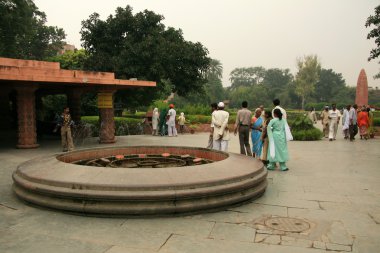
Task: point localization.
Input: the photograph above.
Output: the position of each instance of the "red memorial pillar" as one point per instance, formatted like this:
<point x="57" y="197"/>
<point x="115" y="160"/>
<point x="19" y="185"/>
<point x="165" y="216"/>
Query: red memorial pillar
<point x="362" y="90"/>
<point x="74" y="103"/>
<point x="106" y="117"/>
<point x="26" y="112"/>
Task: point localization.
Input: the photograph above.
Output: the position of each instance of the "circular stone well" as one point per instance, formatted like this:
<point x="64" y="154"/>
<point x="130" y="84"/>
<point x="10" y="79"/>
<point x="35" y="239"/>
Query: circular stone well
<point x="57" y="181"/>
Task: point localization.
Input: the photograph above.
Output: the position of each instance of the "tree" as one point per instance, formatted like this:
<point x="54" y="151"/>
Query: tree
<point x="307" y="76"/>
<point x="328" y="86"/>
<point x="374" y="34"/>
<point x="74" y="60"/>
<point x="213" y="87"/>
<point x="246" y="76"/>
<point x="277" y="80"/>
<point x="140" y="46"/>
<point x="215" y="69"/>
<point x="23" y="33"/>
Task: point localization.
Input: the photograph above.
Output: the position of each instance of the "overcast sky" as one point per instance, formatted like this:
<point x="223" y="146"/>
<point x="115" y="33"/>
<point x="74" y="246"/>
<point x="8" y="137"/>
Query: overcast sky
<point x="248" y="33"/>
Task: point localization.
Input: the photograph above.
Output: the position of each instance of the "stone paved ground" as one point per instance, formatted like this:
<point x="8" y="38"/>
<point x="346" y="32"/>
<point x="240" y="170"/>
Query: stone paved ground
<point x="334" y="186"/>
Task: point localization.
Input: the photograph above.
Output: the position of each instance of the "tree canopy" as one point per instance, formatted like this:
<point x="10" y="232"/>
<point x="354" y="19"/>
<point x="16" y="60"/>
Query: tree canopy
<point x="140" y="46"/>
<point x="71" y="59"/>
<point x="329" y="86"/>
<point x="374" y="34"/>
<point x="246" y="76"/>
<point x="24" y="33"/>
<point x="307" y="76"/>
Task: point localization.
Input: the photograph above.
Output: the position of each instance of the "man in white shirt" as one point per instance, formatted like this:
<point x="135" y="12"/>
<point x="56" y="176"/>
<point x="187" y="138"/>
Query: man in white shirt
<point x="221" y="134"/>
<point x="353" y="127"/>
<point x="276" y="103"/>
<point x="172" y="131"/>
<point x="334" y="117"/>
<point x="214" y="107"/>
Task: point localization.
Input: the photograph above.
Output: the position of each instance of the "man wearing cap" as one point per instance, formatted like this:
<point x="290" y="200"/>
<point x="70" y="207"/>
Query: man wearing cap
<point x="243" y="124"/>
<point x="325" y="121"/>
<point x="221" y="134"/>
<point x="172" y="131"/>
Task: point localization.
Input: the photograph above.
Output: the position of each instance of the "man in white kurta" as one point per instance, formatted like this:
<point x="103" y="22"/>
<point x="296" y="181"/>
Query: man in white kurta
<point x="221" y="134"/>
<point x="334" y="117"/>
<point x="276" y="103"/>
<point x="172" y="131"/>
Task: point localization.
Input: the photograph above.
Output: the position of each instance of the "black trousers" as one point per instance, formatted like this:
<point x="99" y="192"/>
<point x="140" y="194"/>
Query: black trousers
<point x="245" y="148"/>
<point x="353" y="129"/>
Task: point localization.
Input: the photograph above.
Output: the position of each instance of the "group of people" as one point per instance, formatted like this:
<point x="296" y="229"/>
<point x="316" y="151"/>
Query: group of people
<point x="354" y="120"/>
<point x="165" y="122"/>
<point x="269" y="133"/>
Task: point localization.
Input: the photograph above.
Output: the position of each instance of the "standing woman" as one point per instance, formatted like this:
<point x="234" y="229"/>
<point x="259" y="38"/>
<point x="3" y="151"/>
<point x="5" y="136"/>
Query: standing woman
<point x="264" y="136"/>
<point x="363" y="123"/>
<point x="155" y="119"/>
<point x="256" y="125"/>
<point x="371" y="130"/>
<point x="278" y="148"/>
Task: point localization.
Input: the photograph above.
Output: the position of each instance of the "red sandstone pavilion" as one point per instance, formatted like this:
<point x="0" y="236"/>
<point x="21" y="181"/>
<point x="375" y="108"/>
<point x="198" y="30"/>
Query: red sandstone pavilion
<point x="26" y="77"/>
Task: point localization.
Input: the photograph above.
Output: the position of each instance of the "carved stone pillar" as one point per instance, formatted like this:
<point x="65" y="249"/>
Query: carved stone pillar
<point x="26" y="112"/>
<point x="106" y="117"/>
<point x="74" y="103"/>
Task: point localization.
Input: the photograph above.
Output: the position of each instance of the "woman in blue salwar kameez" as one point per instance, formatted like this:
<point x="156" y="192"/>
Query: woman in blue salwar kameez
<point x="256" y="125"/>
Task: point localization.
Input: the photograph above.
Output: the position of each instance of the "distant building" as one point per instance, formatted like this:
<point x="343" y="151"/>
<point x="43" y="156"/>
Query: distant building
<point x="66" y="47"/>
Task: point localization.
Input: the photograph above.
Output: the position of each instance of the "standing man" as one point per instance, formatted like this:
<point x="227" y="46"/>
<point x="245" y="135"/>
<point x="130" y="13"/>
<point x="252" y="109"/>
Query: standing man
<point x="334" y="117"/>
<point x="276" y="103"/>
<point x="172" y="131"/>
<point x="65" y="122"/>
<point x="242" y="124"/>
<point x="162" y="127"/>
<point x="214" y="107"/>
<point x="325" y="121"/>
<point x="312" y="116"/>
<point x="221" y="134"/>
<point x="346" y="121"/>
<point x="353" y="117"/>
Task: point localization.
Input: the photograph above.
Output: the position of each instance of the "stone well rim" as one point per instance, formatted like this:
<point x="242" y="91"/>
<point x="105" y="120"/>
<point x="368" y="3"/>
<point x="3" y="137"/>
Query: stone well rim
<point x="57" y="173"/>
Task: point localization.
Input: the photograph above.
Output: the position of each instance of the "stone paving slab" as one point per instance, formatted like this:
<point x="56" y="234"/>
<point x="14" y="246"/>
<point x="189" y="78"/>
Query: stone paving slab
<point x="232" y="232"/>
<point x="27" y="242"/>
<point x="327" y="185"/>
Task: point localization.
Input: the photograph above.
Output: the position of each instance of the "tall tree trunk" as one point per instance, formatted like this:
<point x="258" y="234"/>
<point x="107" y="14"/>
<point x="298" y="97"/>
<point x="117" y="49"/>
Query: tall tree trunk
<point x="303" y="103"/>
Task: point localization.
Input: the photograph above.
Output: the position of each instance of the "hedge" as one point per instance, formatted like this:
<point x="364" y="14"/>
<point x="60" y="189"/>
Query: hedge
<point x="376" y="121"/>
<point x="303" y="129"/>
<point x="307" y="135"/>
<point x="123" y="126"/>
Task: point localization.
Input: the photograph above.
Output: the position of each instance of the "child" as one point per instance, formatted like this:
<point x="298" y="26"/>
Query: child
<point x="181" y="122"/>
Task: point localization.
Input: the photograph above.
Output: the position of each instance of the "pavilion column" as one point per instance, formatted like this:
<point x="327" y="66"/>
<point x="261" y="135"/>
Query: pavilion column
<point x="5" y="112"/>
<point x="74" y="103"/>
<point x="26" y="112"/>
<point x="106" y="117"/>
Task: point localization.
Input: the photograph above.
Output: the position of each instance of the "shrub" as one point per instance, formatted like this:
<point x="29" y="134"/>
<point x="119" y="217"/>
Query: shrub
<point x="302" y="122"/>
<point x="376" y="121"/>
<point x="307" y="135"/>
<point x="123" y="126"/>
<point x="303" y="129"/>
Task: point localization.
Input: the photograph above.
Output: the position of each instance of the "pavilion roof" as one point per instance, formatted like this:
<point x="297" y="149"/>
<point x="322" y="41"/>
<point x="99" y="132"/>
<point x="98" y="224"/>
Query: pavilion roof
<point x="25" y="71"/>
